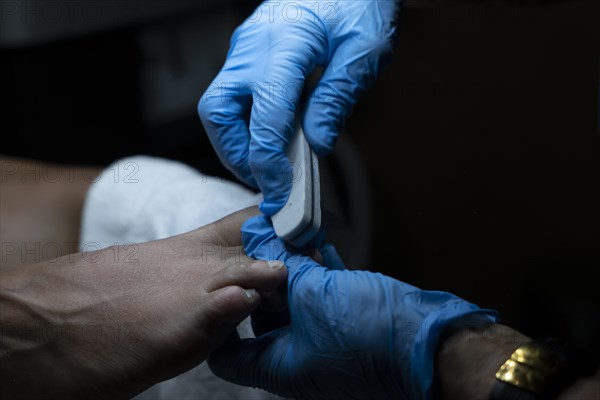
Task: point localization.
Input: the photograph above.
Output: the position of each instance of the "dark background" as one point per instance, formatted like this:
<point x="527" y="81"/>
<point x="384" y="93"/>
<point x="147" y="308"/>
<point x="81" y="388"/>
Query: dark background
<point x="481" y="141"/>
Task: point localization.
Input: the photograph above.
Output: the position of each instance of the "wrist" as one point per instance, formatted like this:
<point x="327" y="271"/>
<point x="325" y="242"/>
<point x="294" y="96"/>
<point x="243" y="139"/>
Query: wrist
<point x="542" y="369"/>
<point x="468" y="358"/>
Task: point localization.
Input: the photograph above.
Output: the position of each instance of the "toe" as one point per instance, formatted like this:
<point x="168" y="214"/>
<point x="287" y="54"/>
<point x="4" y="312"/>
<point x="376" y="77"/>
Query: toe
<point x="260" y="275"/>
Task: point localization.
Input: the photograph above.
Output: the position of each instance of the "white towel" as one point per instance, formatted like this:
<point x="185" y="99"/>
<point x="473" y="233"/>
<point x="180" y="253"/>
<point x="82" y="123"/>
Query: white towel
<point x="141" y="198"/>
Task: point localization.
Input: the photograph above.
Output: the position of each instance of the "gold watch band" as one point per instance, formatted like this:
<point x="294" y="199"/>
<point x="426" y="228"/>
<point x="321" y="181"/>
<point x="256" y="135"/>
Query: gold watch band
<point x="539" y="369"/>
<point x="530" y="367"/>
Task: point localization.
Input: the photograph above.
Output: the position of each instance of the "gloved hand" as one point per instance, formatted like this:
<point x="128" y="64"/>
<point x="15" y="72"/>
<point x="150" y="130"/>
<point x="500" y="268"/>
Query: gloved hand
<point x="353" y="334"/>
<point x="249" y="110"/>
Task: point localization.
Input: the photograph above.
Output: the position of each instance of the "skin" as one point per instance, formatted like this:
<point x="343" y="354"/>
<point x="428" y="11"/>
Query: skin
<point x="468" y="359"/>
<point x="40" y="205"/>
<point x="114" y="323"/>
<point x="95" y="325"/>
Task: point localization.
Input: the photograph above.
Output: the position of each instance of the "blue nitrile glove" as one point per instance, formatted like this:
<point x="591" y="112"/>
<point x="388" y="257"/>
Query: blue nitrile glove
<point x="353" y="334"/>
<point x="249" y="109"/>
<point x="264" y="321"/>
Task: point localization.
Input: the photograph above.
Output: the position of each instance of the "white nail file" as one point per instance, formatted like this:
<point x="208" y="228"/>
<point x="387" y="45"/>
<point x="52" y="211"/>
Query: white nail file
<point x="300" y="218"/>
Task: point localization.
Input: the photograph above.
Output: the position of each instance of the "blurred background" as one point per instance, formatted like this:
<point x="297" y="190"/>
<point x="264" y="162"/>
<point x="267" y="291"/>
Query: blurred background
<point x="472" y="166"/>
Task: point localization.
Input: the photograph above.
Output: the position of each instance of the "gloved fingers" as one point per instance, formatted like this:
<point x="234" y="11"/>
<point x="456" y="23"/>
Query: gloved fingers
<point x="224" y="110"/>
<point x="246" y="362"/>
<point x="331" y="258"/>
<point x="260" y="241"/>
<point x="294" y="52"/>
<point x="304" y="274"/>
<point x="319" y="239"/>
<point x="272" y="170"/>
<point x="351" y="71"/>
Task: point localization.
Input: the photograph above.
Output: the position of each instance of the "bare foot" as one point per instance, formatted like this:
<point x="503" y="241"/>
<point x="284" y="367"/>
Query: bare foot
<point x="114" y="322"/>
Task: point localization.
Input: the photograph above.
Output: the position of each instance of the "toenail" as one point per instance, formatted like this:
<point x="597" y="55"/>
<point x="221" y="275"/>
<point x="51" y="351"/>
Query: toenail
<point x="275" y="264"/>
<point x="250" y="293"/>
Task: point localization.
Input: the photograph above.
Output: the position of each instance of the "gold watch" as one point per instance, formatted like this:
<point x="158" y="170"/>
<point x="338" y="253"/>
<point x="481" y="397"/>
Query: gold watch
<point x="540" y="369"/>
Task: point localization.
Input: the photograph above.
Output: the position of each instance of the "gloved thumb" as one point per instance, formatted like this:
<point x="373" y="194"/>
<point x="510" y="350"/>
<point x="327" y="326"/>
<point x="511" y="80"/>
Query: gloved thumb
<point x="250" y="362"/>
<point x="350" y="73"/>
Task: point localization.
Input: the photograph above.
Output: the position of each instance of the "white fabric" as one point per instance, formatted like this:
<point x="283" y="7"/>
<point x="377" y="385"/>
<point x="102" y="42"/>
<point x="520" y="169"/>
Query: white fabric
<point x="141" y="198"/>
<point x="144" y="198"/>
